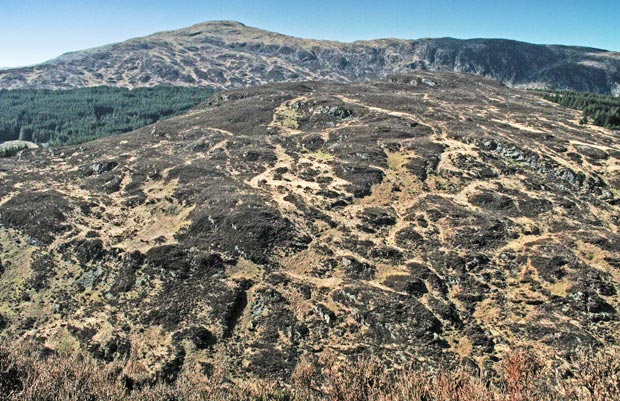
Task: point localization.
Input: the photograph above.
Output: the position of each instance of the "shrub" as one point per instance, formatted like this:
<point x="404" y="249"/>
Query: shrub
<point x="11" y="151"/>
<point x="27" y="373"/>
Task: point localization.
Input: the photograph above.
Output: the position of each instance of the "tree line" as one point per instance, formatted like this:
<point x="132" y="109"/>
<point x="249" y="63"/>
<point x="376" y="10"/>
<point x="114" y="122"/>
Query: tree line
<point x="600" y="110"/>
<point x="59" y="117"/>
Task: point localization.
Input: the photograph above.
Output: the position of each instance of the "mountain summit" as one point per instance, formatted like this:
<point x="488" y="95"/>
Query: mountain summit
<point x="228" y="54"/>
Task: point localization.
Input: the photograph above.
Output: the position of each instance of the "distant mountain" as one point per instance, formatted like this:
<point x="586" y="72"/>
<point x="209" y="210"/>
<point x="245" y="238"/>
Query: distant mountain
<point x="228" y="54"/>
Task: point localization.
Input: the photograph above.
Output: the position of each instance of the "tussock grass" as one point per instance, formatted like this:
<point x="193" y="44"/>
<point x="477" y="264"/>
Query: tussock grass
<point x="27" y="373"/>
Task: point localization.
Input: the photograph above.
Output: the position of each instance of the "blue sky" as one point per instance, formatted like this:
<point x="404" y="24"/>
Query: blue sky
<point x="33" y="31"/>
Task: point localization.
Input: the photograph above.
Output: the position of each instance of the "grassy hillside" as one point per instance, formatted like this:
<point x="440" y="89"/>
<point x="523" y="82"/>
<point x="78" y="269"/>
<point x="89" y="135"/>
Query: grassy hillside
<point x="431" y="219"/>
<point x="79" y="115"/>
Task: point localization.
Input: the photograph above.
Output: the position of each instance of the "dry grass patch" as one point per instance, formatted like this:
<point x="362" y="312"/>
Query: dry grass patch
<point x="27" y="373"/>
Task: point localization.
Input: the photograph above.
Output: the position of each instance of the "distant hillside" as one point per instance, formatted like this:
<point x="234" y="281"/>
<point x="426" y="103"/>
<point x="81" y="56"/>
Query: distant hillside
<point x="229" y="54"/>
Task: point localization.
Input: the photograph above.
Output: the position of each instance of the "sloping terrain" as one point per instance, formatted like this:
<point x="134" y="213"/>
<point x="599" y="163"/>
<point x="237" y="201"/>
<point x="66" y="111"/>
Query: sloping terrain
<point x="430" y="217"/>
<point x="228" y="54"/>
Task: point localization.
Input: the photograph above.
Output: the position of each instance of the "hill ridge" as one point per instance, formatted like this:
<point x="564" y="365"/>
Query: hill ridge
<point x="229" y="54"/>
